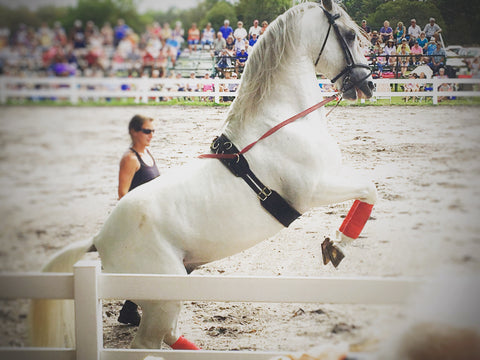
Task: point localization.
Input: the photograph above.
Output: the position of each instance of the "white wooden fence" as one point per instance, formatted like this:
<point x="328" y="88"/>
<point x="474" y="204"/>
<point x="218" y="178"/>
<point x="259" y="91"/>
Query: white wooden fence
<point x="145" y="90"/>
<point x="88" y="286"/>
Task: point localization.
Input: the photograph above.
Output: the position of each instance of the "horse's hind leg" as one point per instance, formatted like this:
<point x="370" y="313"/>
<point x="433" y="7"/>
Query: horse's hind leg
<point x="159" y="323"/>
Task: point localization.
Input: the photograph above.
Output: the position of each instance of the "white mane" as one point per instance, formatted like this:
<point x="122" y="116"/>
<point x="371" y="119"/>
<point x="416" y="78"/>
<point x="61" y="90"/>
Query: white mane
<point x="270" y="55"/>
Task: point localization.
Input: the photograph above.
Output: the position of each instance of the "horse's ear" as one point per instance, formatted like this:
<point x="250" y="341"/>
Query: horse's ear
<point x="327" y="4"/>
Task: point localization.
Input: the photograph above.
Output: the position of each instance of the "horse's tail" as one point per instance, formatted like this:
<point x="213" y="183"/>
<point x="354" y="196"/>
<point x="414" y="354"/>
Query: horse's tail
<point x="52" y="322"/>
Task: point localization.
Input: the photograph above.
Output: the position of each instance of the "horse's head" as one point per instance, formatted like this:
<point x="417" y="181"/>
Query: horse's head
<point x="334" y="43"/>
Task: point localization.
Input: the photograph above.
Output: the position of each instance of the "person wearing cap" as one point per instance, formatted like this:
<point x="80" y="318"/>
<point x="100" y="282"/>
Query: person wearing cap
<point x="366" y="28"/>
<point x="255" y="29"/>
<point x="388" y="50"/>
<point x="413" y="31"/>
<point x="432" y="29"/>
<point x="402" y="42"/>
<point x="240" y="33"/>
<point x="251" y="43"/>
<point x="431" y="46"/>
<point x="242" y="58"/>
<point x="374" y="38"/>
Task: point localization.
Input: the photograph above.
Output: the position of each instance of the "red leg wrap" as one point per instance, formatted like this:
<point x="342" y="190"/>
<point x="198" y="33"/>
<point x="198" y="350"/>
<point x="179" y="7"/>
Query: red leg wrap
<point x="356" y="218"/>
<point x="184" y="344"/>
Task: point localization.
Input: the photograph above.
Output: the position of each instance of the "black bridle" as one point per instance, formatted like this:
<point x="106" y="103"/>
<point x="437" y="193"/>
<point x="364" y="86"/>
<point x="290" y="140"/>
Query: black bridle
<point x="347" y="71"/>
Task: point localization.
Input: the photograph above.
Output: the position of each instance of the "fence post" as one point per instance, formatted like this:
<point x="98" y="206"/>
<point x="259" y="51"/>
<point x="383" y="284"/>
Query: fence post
<point x="88" y="310"/>
<point x="3" y="88"/>
<point x="73" y="90"/>
<point x="216" y="87"/>
<point x="145" y="88"/>
<point x="435" y="91"/>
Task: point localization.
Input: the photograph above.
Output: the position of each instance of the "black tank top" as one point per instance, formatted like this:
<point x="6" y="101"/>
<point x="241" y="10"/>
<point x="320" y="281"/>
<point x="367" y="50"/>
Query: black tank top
<point x="145" y="173"/>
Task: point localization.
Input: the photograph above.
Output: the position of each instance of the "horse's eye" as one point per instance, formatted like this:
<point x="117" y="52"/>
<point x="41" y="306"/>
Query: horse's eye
<point x="351" y="36"/>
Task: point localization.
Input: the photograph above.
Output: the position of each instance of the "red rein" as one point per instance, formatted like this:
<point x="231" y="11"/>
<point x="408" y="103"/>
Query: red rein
<point x="271" y="131"/>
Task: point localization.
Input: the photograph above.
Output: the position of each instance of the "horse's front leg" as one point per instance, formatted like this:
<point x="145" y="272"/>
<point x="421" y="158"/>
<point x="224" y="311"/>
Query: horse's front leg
<point x="338" y="189"/>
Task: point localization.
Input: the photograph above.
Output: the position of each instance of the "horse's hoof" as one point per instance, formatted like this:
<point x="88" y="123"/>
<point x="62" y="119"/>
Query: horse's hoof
<point x="326" y="258"/>
<point x="332" y="253"/>
<point x="129" y="314"/>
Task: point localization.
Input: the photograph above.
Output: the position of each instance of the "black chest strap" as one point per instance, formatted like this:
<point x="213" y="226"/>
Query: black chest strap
<point x="270" y="200"/>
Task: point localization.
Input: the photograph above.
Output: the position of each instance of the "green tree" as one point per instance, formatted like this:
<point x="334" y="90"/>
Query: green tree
<point x="462" y="19"/>
<point x="100" y="11"/>
<point x="12" y="18"/>
<point x="218" y="13"/>
<point x="249" y="10"/>
<point x="50" y="14"/>
<point x="404" y="10"/>
<point x="360" y="9"/>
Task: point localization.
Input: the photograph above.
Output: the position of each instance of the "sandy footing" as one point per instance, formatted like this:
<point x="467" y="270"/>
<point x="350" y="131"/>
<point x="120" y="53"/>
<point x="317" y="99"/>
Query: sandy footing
<point x="58" y="177"/>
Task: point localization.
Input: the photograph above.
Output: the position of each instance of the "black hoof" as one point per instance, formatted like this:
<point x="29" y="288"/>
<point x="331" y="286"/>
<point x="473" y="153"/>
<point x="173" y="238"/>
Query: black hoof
<point x="331" y="253"/>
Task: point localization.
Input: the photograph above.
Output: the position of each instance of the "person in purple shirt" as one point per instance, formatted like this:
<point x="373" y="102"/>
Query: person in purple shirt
<point x="386" y="32"/>
<point x="226" y="29"/>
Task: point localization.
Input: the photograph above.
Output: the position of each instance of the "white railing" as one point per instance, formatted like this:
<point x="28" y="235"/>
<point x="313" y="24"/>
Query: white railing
<point x="145" y="90"/>
<point x="87" y="286"/>
<point x="434" y="84"/>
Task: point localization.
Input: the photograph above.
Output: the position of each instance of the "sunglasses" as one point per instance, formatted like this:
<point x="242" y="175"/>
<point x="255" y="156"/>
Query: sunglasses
<point x="147" y="131"/>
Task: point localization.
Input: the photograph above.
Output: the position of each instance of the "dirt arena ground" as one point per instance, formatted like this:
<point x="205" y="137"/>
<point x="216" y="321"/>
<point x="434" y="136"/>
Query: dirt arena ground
<point x="58" y="177"/>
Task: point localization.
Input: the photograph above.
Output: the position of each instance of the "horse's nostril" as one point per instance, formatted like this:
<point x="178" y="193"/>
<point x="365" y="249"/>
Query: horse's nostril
<point x="370" y="85"/>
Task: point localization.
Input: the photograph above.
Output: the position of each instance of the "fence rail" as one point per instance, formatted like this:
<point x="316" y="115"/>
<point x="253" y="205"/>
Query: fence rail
<point x="147" y="90"/>
<point x="87" y="286"/>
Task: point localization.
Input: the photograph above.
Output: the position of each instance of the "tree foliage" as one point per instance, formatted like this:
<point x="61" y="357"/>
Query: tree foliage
<point x="462" y="19"/>
<point x="404" y="10"/>
<point x="458" y="19"/>
<point x="249" y="10"/>
<point x="359" y="10"/>
<point x="218" y="13"/>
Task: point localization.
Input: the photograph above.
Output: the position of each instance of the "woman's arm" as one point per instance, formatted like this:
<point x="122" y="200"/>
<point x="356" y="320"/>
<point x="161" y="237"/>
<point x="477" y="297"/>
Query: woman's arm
<point x="128" y="167"/>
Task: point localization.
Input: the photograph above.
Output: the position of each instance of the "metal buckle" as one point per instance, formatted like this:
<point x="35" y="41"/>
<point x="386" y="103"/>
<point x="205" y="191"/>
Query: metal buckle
<point x="215" y="144"/>
<point x="264" y="194"/>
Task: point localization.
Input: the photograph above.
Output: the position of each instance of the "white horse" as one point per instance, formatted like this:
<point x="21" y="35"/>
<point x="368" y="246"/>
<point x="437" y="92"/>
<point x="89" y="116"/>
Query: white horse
<point x="200" y="212"/>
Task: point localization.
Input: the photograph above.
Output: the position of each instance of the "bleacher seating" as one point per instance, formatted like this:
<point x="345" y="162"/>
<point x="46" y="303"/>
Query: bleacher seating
<point x="200" y="62"/>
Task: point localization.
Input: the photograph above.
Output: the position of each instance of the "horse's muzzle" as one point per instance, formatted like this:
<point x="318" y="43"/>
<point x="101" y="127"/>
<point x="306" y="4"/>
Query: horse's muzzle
<point x="358" y="81"/>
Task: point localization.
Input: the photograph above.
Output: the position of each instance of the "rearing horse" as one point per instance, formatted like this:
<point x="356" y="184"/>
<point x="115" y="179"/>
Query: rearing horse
<point x="200" y="212"/>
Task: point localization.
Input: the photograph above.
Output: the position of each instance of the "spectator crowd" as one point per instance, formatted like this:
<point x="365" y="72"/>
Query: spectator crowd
<point x="89" y="50"/>
<point x="93" y="51"/>
<point x="395" y="49"/>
